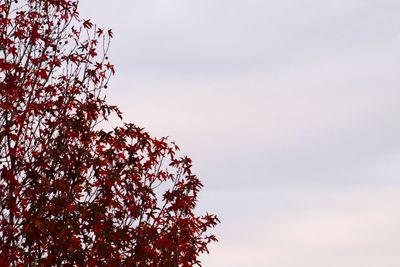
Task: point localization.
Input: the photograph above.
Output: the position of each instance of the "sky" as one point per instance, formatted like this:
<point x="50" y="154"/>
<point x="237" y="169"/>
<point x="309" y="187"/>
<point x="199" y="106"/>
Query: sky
<point x="289" y="110"/>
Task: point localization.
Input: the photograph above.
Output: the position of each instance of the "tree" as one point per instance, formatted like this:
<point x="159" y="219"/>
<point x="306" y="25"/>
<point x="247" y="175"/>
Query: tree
<point x="72" y="192"/>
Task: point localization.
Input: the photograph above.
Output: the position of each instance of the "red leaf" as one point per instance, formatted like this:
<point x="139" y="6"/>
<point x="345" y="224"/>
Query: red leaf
<point x="87" y="24"/>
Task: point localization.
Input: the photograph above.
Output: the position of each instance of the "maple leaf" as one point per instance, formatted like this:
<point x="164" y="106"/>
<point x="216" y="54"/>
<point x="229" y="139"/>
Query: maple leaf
<point x="87" y="24"/>
<point x="110" y="67"/>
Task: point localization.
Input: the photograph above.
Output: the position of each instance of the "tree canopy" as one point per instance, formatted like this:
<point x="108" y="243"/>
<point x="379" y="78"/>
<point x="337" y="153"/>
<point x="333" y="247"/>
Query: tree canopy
<point x="72" y="192"/>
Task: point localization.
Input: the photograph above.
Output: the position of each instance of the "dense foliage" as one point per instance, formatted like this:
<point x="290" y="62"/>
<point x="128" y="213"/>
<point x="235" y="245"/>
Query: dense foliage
<point x="72" y="192"/>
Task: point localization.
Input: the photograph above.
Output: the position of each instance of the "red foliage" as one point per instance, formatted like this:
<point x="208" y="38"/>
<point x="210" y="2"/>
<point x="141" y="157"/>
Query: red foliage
<point x="70" y="192"/>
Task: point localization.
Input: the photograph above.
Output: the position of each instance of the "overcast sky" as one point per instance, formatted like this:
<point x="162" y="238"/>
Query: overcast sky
<point x="290" y="111"/>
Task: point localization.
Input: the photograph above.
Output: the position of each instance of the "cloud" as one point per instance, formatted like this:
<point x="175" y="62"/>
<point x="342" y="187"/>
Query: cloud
<point x="320" y="122"/>
<point x="289" y="110"/>
<point x="314" y="227"/>
<point x="209" y="38"/>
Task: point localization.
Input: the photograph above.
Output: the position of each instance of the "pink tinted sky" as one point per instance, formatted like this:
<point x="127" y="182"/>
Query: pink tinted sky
<point x="290" y="111"/>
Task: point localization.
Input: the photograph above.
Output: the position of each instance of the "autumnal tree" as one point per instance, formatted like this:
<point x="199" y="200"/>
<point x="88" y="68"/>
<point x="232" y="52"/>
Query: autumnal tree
<point x="71" y="192"/>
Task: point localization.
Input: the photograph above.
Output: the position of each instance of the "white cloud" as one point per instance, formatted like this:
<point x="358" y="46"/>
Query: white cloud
<point x="315" y="227"/>
<point x="321" y="121"/>
<point x="290" y="111"/>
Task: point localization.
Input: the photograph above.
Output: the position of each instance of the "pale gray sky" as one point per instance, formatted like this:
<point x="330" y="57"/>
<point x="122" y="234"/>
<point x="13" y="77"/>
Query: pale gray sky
<point x="290" y="111"/>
